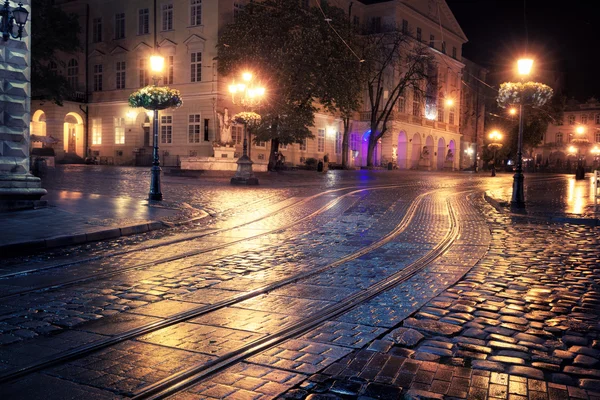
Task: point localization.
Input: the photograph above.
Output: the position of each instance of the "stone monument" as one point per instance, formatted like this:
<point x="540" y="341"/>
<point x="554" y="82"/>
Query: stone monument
<point x="18" y="188"/>
<point x="223" y="148"/>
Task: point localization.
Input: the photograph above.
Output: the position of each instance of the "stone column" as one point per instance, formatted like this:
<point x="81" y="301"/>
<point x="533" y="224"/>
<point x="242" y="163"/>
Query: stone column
<point x="18" y="188"/>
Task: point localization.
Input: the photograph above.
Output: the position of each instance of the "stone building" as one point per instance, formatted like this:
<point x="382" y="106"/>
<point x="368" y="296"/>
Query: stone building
<point x="97" y="121"/>
<point x="576" y="135"/>
<point x="473" y="114"/>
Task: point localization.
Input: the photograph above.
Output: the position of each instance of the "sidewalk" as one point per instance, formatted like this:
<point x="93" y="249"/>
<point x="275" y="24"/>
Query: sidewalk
<point x="74" y="217"/>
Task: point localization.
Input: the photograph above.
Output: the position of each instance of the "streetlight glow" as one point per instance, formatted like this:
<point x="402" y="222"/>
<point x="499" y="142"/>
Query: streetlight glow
<point x="449" y="102"/>
<point x="512" y="111"/>
<point x="157" y="63"/>
<point x="580" y="130"/>
<point x="572" y="149"/>
<point x="524" y="66"/>
<point x="495" y="135"/>
<point x="247" y="76"/>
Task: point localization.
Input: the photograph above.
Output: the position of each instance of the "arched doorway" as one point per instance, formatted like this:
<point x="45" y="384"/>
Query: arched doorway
<point x="451" y="155"/>
<point x="402" y="150"/>
<point x="415" y="151"/>
<point x="73" y="134"/>
<point x="441" y="153"/>
<point x="38" y="127"/>
<point x="365" y="149"/>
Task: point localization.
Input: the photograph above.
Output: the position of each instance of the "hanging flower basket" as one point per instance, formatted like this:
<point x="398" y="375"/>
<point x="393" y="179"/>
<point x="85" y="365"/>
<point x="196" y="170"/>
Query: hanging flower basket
<point x="247" y="117"/>
<point x="529" y="93"/>
<point x="155" y="98"/>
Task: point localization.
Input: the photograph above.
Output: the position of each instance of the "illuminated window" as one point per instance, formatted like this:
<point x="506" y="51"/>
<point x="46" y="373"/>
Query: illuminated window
<point x="119" y="130"/>
<point x="416" y="110"/>
<point x="338" y="142"/>
<point x="584" y="119"/>
<point x="354" y="142"/>
<point x="96" y="131"/>
<point x="440" y="110"/>
<point x="195" y="12"/>
<point x="166" y="129"/>
<point x="571" y="120"/>
<point x="194" y="128"/>
<point x="168" y="78"/>
<point x="321" y="140"/>
<point x="597" y="137"/>
<point x="401" y="104"/>
<point x="451" y="113"/>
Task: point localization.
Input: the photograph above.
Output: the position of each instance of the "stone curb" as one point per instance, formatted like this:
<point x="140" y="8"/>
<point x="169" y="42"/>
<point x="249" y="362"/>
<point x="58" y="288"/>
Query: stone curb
<point x="20" y="248"/>
<point x="567" y="220"/>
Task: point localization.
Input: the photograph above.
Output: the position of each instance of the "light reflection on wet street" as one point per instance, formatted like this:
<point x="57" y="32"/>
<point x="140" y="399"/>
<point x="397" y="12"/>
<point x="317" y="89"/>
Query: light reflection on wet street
<point x="268" y="260"/>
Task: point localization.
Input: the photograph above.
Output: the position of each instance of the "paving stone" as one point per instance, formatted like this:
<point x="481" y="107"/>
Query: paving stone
<point x="435" y="327"/>
<point x="488" y="365"/>
<point x="405" y="336"/>
<point x="585" y="361"/>
<point x="525" y="371"/>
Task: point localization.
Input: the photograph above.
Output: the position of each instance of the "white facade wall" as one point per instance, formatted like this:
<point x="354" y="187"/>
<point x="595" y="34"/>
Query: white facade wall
<point x="209" y="95"/>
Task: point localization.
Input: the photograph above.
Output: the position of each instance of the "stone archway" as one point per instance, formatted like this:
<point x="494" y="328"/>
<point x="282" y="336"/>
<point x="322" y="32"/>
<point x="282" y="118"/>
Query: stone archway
<point x="402" y="150"/>
<point x="38" y="127"/>
<point x="415" y="151"/>
<point x="73" y="142"/>
<point x="441" y="153"/>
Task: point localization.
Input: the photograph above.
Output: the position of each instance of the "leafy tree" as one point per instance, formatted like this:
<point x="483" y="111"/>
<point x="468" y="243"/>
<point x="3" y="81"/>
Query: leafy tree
<point x="342" y="80"/>
<point x="393" y="63"/>
<point x="53" y="32"/>
<point x="301" y="62"/>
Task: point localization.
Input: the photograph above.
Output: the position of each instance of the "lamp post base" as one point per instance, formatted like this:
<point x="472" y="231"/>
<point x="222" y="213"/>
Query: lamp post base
<point x="518" y="194"/>
<point x="580" y="172"/>
<point x="155" y="192"/>
<point x="244" y="174"/>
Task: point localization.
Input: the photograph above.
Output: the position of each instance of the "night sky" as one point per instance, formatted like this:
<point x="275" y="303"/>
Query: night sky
<point x="563" y="37"/>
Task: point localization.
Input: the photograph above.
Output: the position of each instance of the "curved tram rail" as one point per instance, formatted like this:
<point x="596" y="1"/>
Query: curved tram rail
<point x="205" y="309"/>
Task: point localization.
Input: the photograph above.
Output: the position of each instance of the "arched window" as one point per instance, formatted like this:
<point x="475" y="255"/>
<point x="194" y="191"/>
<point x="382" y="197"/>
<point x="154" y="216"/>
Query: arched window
<point x="53" y="67"/>
<point x="72" y="73"/>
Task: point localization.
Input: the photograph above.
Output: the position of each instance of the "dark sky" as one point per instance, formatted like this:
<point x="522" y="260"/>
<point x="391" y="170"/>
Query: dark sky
<point x="563" y="37"/>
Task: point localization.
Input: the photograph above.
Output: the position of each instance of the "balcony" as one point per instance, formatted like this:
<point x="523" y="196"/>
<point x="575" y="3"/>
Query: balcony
<point x="78" y="97"/>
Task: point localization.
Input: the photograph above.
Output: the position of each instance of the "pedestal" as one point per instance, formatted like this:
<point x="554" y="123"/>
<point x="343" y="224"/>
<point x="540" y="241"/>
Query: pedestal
<point x="18" y="188"/>
<point x="244" y="174"/>
<point x="223" y="152"/>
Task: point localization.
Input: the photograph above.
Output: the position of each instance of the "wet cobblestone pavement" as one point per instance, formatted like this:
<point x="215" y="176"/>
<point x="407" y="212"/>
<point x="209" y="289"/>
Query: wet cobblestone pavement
<point x="483" y="304"/>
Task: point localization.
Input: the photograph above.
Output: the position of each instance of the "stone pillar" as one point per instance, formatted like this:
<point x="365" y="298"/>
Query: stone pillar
<point x="18" y="188"/>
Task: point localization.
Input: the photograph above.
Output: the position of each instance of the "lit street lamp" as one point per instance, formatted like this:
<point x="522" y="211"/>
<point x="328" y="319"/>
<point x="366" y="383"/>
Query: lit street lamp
<point x="495" y="137"/>
<point x="155" y="194"/>
<point x="8" y="19"/>
<point x="518" y="195"/>
<point x="249" y="95"/>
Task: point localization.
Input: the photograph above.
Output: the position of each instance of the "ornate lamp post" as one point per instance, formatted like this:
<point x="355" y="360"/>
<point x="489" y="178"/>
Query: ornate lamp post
<point x="596" y="152"/>
<point x="580" y="141"/>
<point x="522" y="93"/>
<point x="495" y="137"/>
<point x="155" y="98"/>
<point x="8" y="19"/>
<point x="155" y="194"/>
<point x="249" y="95"/>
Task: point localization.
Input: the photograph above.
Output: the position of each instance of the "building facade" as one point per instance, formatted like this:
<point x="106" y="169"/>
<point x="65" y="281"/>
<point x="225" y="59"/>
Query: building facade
<point x="576" y="136"/>
<point x="473" y="115"/>
<point x="97" y="121"/>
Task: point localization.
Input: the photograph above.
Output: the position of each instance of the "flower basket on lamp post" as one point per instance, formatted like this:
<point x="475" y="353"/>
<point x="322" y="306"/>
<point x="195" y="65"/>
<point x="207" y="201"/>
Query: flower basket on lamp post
<point x="155" y="98"/>
<point x="522" y="93"/>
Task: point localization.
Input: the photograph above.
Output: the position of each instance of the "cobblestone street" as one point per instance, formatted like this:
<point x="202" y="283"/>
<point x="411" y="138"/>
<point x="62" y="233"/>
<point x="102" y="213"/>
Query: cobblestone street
<point x="353" y="284"/>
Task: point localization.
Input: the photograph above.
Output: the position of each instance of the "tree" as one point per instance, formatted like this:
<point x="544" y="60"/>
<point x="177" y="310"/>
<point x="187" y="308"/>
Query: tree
<point x="342" y="80"/>
<point x="299" y="57"/>
<point x="53" y="32"/>
<point x="393" y="63"/>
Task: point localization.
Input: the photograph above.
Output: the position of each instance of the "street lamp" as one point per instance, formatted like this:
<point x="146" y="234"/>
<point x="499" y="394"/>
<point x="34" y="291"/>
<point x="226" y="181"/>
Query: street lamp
<point x="596" y="152"/>
<point x="248" y="94"/>
<point x="156" y="65"/>
<point x="8" y="19"/>
<point x="518" y="196"/>
<point x="495" y="137"/>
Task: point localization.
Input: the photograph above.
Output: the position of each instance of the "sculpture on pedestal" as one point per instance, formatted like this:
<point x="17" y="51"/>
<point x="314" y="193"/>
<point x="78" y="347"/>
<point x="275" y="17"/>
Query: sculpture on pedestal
<point x="224" y="127"/>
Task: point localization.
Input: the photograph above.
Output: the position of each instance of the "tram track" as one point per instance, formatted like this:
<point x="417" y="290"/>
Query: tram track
<point x="181" y="380"/>
<point x="152" y="263"/>
<point x="205" y="309"/>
